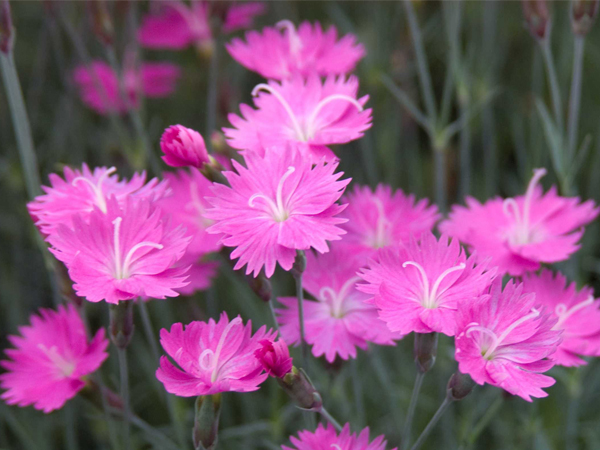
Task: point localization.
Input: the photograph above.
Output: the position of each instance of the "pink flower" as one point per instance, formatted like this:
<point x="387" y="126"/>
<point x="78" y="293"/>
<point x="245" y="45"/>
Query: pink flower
<point x="340" y="320"/>
<point x="383" y="218"/>
<point x="328" y="439"/>
<point x="200" y="273"/>
<point x="123" y="253"/>
<point x="274" y="357"/>
<point x="419" y="286"/>
<point x="50" y="360"/>
<point x="83" y="190"/>
<point x="577" y="311"/>
<point x="305" y="52"/>
<point x="99" y="86"/>
<point x="308" y="115"/>
<point x="183" y="147"/>
<point x="502" y="340"/>
<point x="214" y="357"/>
<point x="176" y="26"/>
<point x="522" y="232"/>
<point x="279" y="204"/>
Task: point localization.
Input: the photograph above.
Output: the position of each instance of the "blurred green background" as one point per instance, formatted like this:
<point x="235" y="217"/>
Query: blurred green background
<point x="490" y="75"/>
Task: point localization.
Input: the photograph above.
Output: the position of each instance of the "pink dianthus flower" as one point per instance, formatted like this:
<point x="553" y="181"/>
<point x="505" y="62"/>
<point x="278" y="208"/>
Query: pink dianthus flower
<point x="214" y="357"/>
<point x="279" y="204"/>
<point x="274" y="357"/>
<point x="418" y="287"/>
<point x="520" y="233"/>
<point x="183" y="147"/>
<point x="307" y="51"/>
<point x="577" y="311"/>
<point x="123" y="253"/>
<point x="502" y="340"/>
<point x="308" y="115"/>
<point x="340" y="320"/>
<point x="327" y="438"/>
<point x="50" y="360"/>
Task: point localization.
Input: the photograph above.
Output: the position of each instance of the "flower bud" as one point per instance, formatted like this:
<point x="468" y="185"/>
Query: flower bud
<point x="206" y="422"/>
<point x="583" y="16"/>
<point x="301" y="390"/>
<point x="425" y="350"/>
<point x="459" y="386"/>
<point x="274" y="357"/>
<point x="213" y="171"/>
<point x="101" y="21"/>
<point x="537" y="17"/>
<point x="183" y="147"/>
<point x="120" y="326"/>
<point x="261" y="286"/>
<point x="299" y="264"/>
<point x="7" y="32"/>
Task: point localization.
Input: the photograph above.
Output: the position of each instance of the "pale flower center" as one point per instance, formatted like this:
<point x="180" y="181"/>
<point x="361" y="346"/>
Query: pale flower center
<point x="305" y="132"/>
<point x="122" y="267"/>
<point x="564" y="313"/>
<point x="494" y="341"/>
<point x="65" y="367"/>
<point x="278" y="209"/>
<point x="522" y="233"/>
<point x="380" y="238"/>
<point x="99" y="199"/>
<point x="294" y="38"/>
<point x="431" y="296"/>
<point x="336" y="299"/>
<point x="209" y="360"/>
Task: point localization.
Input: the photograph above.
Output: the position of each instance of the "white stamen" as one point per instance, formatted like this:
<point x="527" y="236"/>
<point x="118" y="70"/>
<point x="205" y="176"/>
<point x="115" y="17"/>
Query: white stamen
<point x="214" y="360"/>
<point x="337" y="299"/>
<point x="563" y="313"/>
<point x="429" y="299"/>
<point x="97" y="188"/>
<point x="122" y="268"/>
<point x="66" y="367"/>
<point x="313" y="116"/>
<point x="278" y="208"/>
<point x="295" y="124"/>
<point x="295" y="41"/>
<point x="380" y="239"/>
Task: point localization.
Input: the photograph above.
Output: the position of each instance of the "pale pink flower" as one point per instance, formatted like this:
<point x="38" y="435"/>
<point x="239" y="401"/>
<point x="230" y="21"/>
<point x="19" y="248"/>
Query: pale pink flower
<point x="305" y="114"/>
<point x="83" y="190"/>
<point x="577" y="311"/>
<point x="183" y="147"/>
<point x="99" y="86"/>
<point x="339" y="320"/>
<point x="327" y="438"/>
<point x="503" y="340"/>
<point x="384" y="218"/>
<point x="214" y="357"/>
<point x="418" y="287"/>
<point x="274" y="357"/>
<point x="307" y="51"/>
<point x="279" y="204"/>
<point x="176" y="25"/>
<point x="123" y="253"/>
<point x="51" y="360"/>
<point x="520" y="233"/>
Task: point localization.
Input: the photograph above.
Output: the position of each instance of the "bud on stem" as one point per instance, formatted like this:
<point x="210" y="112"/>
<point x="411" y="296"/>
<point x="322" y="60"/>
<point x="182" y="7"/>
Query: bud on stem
<point x="300" y="389"/>
<point x="261" y="286"/>
<point x="459" y="386"/>
<point x="212" y="171"/>
<point x="121" y="325"/>
<point x="537" y="17"/>
<point x="425" y="351"/>
<point x="206" y="422"/>
<point x="299" y="264"/>
<point x="7" y="31"/>
<point x="583" y="16"/>
<point x="101" y="21"/>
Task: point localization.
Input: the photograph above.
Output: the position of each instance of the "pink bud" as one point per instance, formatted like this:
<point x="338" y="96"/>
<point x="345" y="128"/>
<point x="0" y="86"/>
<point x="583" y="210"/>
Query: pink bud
<point x="183" y="147"/>
<point x="275" y="357"/>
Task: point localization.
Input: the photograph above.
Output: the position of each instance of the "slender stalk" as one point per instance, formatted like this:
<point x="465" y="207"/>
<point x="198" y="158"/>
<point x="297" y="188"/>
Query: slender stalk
<point x="70" y="428"/>
<point x="441" y="196"/>
<point x="485" y="420"/>
<point x="488" y="135"/>
<point x="414" y="399"/>
<point x="465" y="154"/>
<point x="575" y="96"/>
<point x="329" y="418"/>
<point x="300" y="297"/>
<point x="110" y="424"/>
<point x="212" y="94"/>
<point x="432" y="423"/>
<point x="553" y="79"/>
<point x="358" y="395"/>
<point x="124" y="385"/>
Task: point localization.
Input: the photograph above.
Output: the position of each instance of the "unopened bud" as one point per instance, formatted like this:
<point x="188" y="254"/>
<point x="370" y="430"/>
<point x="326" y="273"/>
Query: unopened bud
<point x="297" y="385"/>
<point x="583" y="16"/>
<point x="100" y="395"/>
<point x="183" y="147"/>
<point x="120" y="326"/>
<point x="206" y="422"/>
<point x="459" y="386"/>
<point x="425" y="350"/>
<point x="261" y="286"/>
<point x="218" y="142"/>
<point x="299" y="264"/>
<point x="537" y="17"/>
<point x="213" y="171"/>
<point x="274" y="357"/>
<point x="101" y="21"/>
<point x="7" y="31"/>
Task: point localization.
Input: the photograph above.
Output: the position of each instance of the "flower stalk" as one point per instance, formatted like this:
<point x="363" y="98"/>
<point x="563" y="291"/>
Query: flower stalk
<point x="206" y="422"/>
<point x="297" y="271"/>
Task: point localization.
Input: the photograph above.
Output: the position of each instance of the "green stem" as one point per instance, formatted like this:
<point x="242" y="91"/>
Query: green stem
<point x="432" y="423"/>
<point x="300" y="297"/>
<point x="329" y="418"/>
<point x="485" y="420"/>
<point x="575" y="96"/>
<point x="553" y="79"/>
<point x="212" y="94"/>
<point x="70" y="428"/>
<point x="410" y="414"/>
<point x="124" y="385"/>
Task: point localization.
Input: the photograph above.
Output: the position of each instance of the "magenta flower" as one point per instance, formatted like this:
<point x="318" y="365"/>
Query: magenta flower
<point x="328" y="439"/>
<point x="123" y="253"/>
<point x="385" y="218"/>
<point x="183" y="147"/>
<point x="577" y="312"/>
<point x="340" y="320"/>
<point x="520" y="233"/>
<point x="83" y="190"/>
<point x="418" y="287"/>
<point x="306" y="51"/>
<point x="176" y="26"/>
<point x="279" y="204"/>
<point x="502" y="340"/>
<point x="308" y="115"/>
<point x="99" y="86"/>
<point x="200" y="273"/>
<point x="274" y="357"/>
<point x="214" y="357"/>
<point x="50" y="360"/>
